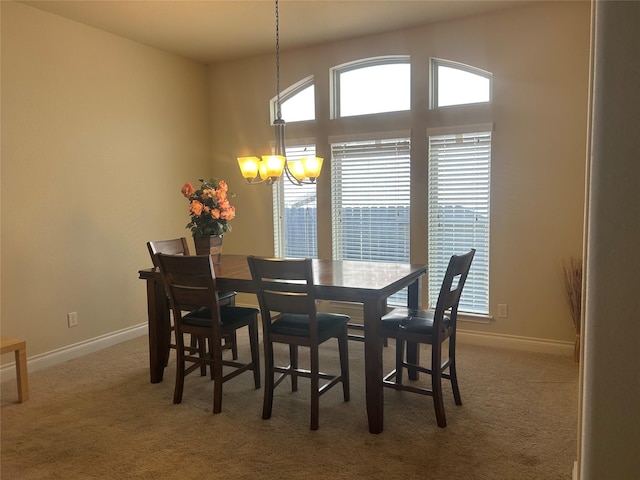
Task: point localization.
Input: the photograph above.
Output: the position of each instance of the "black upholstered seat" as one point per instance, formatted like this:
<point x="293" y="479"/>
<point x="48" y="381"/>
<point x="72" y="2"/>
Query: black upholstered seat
<point x="413" y="320"/>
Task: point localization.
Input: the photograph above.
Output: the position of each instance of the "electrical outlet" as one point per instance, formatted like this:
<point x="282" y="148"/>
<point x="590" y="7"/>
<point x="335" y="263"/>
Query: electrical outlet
<point x="72" y="318"/>
<point x="502" y="310"/>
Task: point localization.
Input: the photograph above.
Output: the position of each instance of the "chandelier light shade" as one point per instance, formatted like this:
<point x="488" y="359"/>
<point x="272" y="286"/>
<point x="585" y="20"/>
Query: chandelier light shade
<point x="269" y="168"/>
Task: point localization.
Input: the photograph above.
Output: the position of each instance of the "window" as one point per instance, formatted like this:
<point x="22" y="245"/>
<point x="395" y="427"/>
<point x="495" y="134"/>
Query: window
<point x="297" y="103"/>
<point x="457" y="84"/>
<point x="371" y="171"/>
<point x="370" y="200"/>
<point x="372" y="86"/>
<point x="295" y="207"/>
<point x="295" y="210"/>
<point x="458" y="210"/>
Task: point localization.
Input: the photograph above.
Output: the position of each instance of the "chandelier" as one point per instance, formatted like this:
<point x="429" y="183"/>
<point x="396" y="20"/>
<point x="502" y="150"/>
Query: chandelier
<point x="270" y="168"/>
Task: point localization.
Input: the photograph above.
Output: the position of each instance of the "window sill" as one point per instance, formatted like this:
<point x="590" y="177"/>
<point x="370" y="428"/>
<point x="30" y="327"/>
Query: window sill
<point x="474" y="318"/>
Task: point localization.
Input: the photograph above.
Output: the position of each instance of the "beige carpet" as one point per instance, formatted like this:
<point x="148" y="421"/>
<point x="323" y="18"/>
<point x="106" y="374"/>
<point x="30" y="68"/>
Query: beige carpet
<point x="98" y="417"/>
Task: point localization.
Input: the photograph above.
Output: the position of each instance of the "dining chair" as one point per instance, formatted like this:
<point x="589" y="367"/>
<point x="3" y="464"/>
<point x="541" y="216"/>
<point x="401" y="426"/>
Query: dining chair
<point x="431" y="327"/>
<point x="179" y="246"/>
<point x="289" y="316"/>
<point x="191" y="283"/>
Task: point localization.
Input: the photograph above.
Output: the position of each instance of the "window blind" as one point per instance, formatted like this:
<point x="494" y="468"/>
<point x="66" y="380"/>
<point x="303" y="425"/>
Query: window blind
<point x="296" y="214"/>
<point x="370" y="201"/>
<point x="458" y="210"/>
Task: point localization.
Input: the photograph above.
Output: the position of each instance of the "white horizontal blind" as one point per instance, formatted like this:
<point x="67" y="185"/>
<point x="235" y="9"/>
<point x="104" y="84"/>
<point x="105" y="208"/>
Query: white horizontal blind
<point x="459" y="183"/>
<point x="370" y="201"/>
<point x="295" y="222"/>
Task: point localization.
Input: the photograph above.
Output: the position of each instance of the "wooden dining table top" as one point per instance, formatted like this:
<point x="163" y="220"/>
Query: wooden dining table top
<point x="330" y="276"/>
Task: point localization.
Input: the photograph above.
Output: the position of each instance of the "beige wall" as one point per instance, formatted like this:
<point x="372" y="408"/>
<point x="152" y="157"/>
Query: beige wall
<point x="98" y="135"/>
<point x="539" y="56"/>
<point x="105" y="131"/>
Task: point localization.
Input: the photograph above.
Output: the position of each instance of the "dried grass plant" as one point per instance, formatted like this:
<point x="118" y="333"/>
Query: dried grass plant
<point x="572" y="275"/>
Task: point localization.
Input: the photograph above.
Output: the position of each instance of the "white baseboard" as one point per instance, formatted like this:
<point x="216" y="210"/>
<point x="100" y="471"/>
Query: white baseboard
<point x="527" y="344"/>
<point x="76" y="350"/>
<point x="61" y="355"/>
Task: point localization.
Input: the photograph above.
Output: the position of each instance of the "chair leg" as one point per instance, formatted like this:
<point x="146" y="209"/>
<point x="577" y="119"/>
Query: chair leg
<point x="177" y="391"/>
<point x="255" y="354"/>
<point x="267" y="404"/>
<point x="343" y="348"/>
<point x="454" y="382"/>
<point x="293" y="361"/>
<point x="452" y="370"/>
<point x="216" y="368"/>
<point x="315" y="387"/>
<point x="231" y="339"/>
<point x="399" y="359"/>
<point x="200" y="344"/>
<point x="234" y="347"/>
<point x="20" y="356"/>
<point x="436" y="385"/>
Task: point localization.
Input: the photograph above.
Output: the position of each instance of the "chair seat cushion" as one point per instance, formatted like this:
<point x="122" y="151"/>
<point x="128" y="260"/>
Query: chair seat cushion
<point x="298" y="324"/>
<point x="228" y="316"/>
<point x="411" y="320"/>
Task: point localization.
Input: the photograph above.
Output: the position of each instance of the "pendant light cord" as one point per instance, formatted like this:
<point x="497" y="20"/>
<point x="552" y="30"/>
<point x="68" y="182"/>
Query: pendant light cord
<point x="278" y="111"/>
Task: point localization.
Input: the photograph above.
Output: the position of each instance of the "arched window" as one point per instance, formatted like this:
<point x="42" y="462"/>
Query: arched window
<point x="458" y="84"/>
<point x="297" y="102"/>
<point x="373" y="85"/>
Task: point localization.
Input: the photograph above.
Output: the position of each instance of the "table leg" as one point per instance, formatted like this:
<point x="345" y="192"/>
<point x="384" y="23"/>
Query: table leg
<point x="413" y="348"/>
<point x="373" y="364"/>
<point x="159" y="329"/>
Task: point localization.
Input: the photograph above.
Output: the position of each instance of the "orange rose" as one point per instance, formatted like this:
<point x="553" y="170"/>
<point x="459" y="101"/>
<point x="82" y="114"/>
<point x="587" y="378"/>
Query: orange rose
<point x="187" y="190"/>
<point x="228" y="213"/>
<point x="215" y="213"/>
<point x="196" y="207"/>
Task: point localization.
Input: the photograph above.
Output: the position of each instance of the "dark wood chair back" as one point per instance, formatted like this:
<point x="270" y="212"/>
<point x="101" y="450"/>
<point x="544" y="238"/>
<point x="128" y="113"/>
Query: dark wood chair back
<point x="286" y="295"/>
<point x="450" y="292"/>
<point x="191" y="284"/>
<point x="286" y="286"/>
<point x="193" y="294"/>
<point x="175" y="246"/>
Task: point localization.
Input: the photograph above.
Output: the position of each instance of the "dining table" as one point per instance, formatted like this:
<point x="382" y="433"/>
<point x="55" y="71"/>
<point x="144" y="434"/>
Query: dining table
<point x="364" y="282"/>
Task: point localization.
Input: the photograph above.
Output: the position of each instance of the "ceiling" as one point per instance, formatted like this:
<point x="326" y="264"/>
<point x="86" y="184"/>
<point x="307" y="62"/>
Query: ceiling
<point x="214" y="30"/>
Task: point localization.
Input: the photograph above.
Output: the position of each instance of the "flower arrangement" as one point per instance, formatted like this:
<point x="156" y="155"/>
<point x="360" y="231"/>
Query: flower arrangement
<point x="209" y="208"/>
